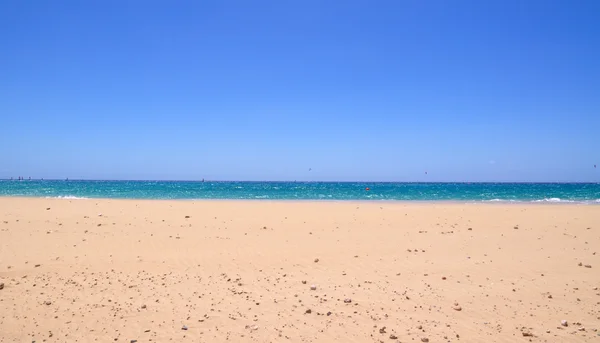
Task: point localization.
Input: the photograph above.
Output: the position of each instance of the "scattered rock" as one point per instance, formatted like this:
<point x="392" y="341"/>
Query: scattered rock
<point x="143" y="306"/>
<point x="304" y="282"/>
<point x="425" y="339"/>
<point x="47" y="302"/>
<point x="470" y="229"/>
<point x="588" y="266"/>
<point x="549" y="296"/>
<point x="37" y="265"/>
<point x="1" y="285"/>
<point x="420" y="327"/>
<point x="133" y="341"/>
<point x="309" y="311"/>
<point x="186" y="217"/>
<point x="382" y="329"/>
<point x="564" y="323"/>
<point x="184" y="327"/>
<point x="47" y="208"/>
<point x="580" y="264"/>
<point x="527" y="334"/>
<point x="347" y="300"/>
<point x="313" y="288"/>
<point x="392" y="336"/>
<point x="547" y="331"/>
<point x="443" y="278"/>
<point x="457" y="307"/>
<point x="252" y="327"/>
<point x="316" y="260"/>
<point x="329" y="313"/>
<point x="516" y="228"/>
<point x="581" y="329"/>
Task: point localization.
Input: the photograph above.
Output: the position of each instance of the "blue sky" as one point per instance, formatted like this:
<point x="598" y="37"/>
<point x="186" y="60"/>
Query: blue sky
<point x="467" y="90"/>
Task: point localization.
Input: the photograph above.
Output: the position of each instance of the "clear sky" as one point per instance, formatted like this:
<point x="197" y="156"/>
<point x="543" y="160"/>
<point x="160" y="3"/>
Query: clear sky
<point x="467" y="90"/>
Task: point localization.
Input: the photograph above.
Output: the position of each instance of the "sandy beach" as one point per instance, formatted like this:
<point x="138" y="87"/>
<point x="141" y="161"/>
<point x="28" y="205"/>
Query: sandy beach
<point x="257" y="271"/>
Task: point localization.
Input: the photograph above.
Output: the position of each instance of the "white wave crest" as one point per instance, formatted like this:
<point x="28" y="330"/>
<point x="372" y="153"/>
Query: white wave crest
<point x="553" y="200"/>
<point x="68" y="197"/>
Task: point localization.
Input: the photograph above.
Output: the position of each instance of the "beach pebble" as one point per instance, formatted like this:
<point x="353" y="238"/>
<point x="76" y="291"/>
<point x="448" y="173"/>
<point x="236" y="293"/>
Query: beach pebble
<point x="564" y="323"/>
<point x="313" y="288"/>
<point x="347" y="300"/>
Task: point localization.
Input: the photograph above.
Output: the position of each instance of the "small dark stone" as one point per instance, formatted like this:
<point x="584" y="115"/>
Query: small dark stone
<point x="184" y="327"/>
<point x="187" y="217"/>
<point x="392" y="336"/>
<point x="1" y="285"/>
<point x="309" y="311"/>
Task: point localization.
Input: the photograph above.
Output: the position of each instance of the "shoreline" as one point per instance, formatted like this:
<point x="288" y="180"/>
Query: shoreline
<point x="374" y="201"/>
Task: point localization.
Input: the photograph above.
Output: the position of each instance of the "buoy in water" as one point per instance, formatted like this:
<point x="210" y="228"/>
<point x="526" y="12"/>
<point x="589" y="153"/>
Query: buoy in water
<point x="367" y="189"/>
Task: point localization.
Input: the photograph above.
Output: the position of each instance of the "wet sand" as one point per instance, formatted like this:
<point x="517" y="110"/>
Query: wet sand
<point x="253" y="271"/>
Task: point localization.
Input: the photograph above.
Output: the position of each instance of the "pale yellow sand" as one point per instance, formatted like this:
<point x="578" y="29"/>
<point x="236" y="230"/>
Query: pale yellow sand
<point x="242" y="272"/>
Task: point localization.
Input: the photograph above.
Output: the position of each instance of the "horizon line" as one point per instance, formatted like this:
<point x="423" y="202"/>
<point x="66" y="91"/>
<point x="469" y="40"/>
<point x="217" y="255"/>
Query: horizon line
<point x="305" y="181"/>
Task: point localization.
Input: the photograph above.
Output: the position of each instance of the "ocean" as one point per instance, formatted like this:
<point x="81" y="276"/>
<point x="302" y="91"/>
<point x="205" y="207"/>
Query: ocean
<point x="585" y="193"/>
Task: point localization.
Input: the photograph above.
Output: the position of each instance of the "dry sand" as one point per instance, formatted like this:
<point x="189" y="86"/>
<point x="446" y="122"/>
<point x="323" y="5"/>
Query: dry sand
<point x="125" y="271"/>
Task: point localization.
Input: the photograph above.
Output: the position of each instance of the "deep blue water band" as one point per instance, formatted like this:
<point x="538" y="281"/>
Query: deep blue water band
<point x="548" y="192"/>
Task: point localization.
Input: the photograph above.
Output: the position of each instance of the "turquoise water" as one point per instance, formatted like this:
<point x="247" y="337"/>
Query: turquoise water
<point x="528" y="192"/>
